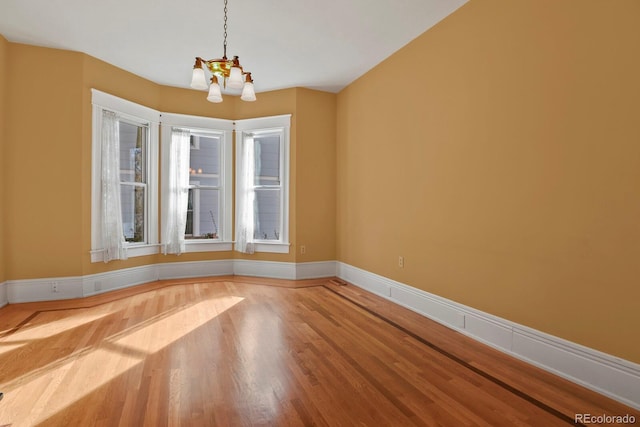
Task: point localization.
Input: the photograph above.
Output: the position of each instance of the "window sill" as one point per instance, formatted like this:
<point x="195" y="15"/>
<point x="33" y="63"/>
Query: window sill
<point x="207" y="246"/>
<point x="276" y="248"/>
<point x="132" y="252"/>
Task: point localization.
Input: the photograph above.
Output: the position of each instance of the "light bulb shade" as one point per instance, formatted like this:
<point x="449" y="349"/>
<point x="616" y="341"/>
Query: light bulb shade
<point x="214" y="93"/>
<point x="248" y="93"/>
<point x="198" y="81"/>
<point x="235" y="78"/>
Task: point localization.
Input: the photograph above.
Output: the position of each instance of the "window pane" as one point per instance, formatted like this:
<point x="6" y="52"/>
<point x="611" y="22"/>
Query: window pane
<point x="203" y="215"/>
<point x="132" y="152"/>
<point x="267" y="160"/>
<point x="132" y="200"/>
<point x="205" y="161"/>
<point x="188" y="232"/>
<point x="267" y="214"/>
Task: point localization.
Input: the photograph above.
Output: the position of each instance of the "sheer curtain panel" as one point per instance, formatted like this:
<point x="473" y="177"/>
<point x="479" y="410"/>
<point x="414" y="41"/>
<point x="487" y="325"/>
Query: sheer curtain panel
<point x="112" y="233"/>
<point x="175" y="199"/>
<point x="245" y="194"/>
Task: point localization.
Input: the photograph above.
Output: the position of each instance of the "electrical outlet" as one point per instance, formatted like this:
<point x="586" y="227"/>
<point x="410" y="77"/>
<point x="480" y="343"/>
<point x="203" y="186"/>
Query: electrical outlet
<point x="97" y="285"/>
<point x="303" y="249"/>
<point x="54" y="287"/>
<point x="401" y="261"/>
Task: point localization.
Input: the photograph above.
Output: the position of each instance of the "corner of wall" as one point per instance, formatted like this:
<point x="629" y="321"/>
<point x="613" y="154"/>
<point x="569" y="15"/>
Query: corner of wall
<point x="3" y="84"/>
<point x="316" y="176"/>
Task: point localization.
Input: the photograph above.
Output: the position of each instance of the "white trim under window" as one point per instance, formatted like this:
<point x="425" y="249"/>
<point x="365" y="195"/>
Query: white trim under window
<point x="221" y="129"/>
<point x="142" y="116"/>
<point x="247" y="131"/>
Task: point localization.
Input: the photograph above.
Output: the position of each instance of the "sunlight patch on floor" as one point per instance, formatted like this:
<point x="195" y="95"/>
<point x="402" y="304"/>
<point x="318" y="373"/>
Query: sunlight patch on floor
<point x="48" y="324"/>
<point x="60" y="385"/>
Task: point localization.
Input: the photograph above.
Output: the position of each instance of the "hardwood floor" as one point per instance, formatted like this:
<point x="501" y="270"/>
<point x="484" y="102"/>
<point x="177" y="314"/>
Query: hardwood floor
<point x="239" y="351"/>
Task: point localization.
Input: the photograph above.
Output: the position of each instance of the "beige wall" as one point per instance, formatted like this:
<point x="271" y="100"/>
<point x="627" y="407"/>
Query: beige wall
<point x="48" y="215"/>
<point x="43" y="159"/>
<point x="506" y="168"/>
<point x="316" y="176"/>
<point x="4" y="46"/>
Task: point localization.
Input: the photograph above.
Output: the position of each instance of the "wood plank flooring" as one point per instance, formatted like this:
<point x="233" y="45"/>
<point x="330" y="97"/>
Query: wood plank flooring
<point x="239" y="351"/>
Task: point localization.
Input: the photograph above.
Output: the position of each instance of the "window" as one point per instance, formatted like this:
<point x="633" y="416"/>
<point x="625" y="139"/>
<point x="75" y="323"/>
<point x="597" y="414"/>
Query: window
<point x="262" y="191"/>
<point x="203" y="208"/>
<point x="137" y="177"/>
<point x="196" y="182"/>
<point x="133" y="180"/>
<point x="208" y="201"/>
<point x="268" y="186"/>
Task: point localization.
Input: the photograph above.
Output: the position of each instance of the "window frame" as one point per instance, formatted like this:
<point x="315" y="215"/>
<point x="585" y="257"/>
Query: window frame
<point x="138" y="115"/>
<point x="262" y="126"/>
<point x="224" y="130"/>
<point x="133" y="184"/>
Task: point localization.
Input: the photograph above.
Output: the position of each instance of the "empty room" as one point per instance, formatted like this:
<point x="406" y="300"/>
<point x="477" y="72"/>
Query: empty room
<point x="296" y="213"/>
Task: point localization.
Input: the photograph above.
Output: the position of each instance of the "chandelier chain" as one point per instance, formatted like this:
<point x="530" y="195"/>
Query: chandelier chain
<point x="225" y="28"/>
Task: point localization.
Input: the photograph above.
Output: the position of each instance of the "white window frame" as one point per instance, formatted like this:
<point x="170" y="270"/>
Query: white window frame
<point x="224" y="129"/>
<point x="136" y="114"/>
<point x="266" y="125"/>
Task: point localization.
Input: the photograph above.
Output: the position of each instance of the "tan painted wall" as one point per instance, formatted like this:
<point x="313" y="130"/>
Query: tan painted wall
<point x="4" y="47"/>
<point x="43" y="155"/>
<point x="506" y="168"/>
<point x="52" y="158"/>
<point x="316" y="176"/>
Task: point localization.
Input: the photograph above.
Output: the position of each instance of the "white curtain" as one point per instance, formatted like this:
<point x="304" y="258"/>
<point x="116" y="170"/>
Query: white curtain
<point x="112" y="235"/>
<point x="245" y="194"/>
<point x="175" y="200"/>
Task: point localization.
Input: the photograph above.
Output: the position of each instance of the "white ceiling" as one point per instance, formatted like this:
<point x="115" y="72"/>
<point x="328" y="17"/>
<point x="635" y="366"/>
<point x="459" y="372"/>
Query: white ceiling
<point x="322" y="45"/>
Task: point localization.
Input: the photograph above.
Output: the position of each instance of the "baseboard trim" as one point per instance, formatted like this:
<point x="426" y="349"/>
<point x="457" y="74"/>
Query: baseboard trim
<point x="315" y="270"/>
<point x="4" y="300"/>
<point x="606" y="374"/>
<point x="270" y="269"/>
<point x="100" y="283"/>
<point x="33" y="290"/>
<point x="181" y="270"/>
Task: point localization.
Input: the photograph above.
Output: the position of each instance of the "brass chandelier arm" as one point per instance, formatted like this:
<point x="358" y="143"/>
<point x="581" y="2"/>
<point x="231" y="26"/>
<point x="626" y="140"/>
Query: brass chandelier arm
<point x="220" y="66"/>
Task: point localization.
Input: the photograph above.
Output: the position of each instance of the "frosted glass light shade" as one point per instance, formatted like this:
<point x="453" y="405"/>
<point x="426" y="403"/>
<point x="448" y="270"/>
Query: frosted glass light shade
<point x="248" y="93"/>
<point x="198" y="81"/>
<point x="235" y="78"/>
<point x="214" y="93"/>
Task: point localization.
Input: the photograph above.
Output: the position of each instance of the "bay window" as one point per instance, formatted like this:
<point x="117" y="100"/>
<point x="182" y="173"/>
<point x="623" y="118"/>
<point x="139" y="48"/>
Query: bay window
<point x="196" y="184"/>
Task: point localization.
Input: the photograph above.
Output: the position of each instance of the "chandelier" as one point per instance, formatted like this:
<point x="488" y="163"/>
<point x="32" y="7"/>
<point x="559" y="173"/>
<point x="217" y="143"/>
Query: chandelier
<point x="229" y="70"/>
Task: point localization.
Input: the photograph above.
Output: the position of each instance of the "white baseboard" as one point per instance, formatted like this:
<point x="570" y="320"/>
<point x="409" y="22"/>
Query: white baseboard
<point x="601" y="372"/>
<point x="100" y="283"/>
<point x="315" y="270"/>
<point x="4" y="300"/>
<point x="32" y="290"/>
<point x="181" y="270"/>
<point x="271" y="269"/>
